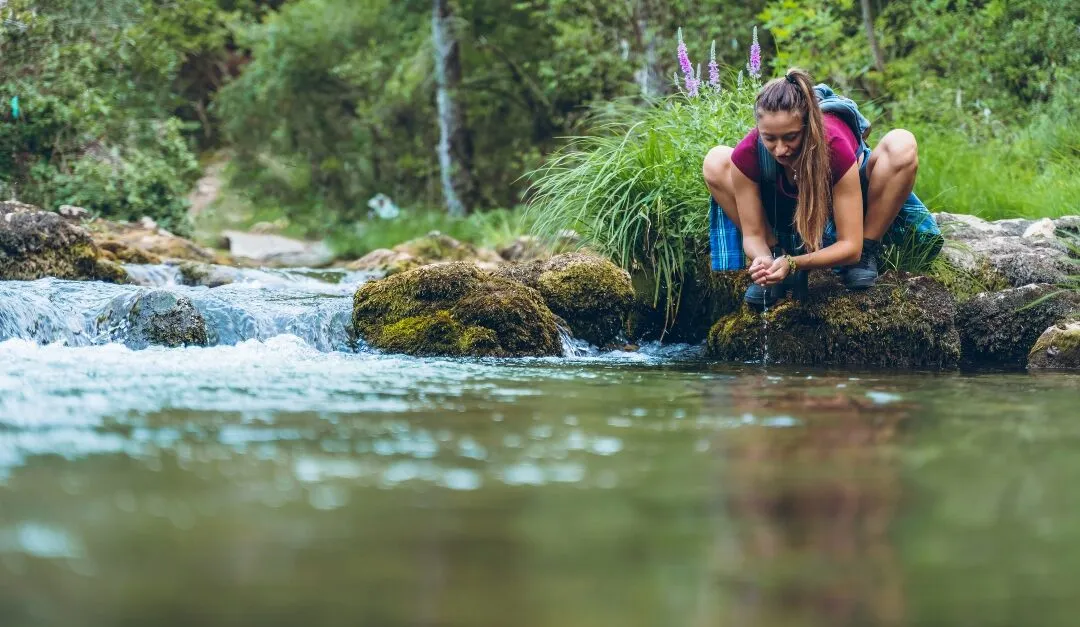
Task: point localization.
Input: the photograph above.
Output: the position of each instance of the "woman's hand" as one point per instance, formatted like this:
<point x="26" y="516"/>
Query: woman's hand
<point x="758" y="265"/>
<point x="771" y="273"/>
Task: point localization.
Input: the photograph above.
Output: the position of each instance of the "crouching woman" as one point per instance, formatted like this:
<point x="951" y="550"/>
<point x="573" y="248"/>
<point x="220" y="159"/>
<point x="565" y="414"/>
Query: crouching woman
<point x="806" y="192"/>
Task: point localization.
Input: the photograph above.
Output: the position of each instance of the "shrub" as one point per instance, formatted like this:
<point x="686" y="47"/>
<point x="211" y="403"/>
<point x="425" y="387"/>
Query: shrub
<point x="634" y="189"/>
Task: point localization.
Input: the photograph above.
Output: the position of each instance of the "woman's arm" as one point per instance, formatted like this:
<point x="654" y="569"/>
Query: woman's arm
<point x="755" y="230"/>
<point x="848" y="217"/>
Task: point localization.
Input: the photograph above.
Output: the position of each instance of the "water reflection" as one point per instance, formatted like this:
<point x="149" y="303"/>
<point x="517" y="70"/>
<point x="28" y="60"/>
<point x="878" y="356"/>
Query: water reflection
<point x="395" y="492"/>
<point x="812" y="500"/>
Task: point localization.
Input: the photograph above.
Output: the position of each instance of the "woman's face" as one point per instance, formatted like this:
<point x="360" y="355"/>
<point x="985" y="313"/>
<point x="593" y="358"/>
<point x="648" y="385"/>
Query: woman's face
<point x="782" y="134"/>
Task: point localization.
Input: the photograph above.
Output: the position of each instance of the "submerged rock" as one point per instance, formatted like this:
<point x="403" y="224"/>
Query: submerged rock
<point x="157" y="317"/>
<point x="454" y="309"/>
<point x="1000" y="328"/>
<point x="36" y="244"/>
<point x="902" y="322"/>
<point x="590" y="293"/>
<point x="1057" y="347"/>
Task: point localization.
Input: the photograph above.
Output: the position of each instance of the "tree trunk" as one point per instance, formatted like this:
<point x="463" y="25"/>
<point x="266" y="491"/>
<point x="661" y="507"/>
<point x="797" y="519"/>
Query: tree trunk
<point x="455" y="145"/>
<point x="650" y="76"/>
<point x="868" y="23"/>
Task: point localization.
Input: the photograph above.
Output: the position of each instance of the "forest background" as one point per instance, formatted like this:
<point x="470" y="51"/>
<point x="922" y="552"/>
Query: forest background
<point x="310" y="108"/>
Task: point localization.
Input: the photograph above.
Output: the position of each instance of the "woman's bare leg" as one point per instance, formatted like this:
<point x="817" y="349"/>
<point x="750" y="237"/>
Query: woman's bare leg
<point x="891" y="170"/>
<point x="717" y="172"/>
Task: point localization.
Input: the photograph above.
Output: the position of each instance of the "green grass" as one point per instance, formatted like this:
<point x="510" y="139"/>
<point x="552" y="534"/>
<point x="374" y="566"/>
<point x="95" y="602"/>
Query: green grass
<point x="633" y="189"/>
<point x="489" y="229"/>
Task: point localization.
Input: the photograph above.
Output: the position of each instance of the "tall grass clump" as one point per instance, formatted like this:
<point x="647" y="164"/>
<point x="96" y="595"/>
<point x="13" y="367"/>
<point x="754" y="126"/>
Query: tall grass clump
<point x="633" y="188"/>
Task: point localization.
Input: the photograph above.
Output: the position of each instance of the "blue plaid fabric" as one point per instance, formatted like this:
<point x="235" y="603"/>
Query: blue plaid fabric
<point x="725" y="240"/>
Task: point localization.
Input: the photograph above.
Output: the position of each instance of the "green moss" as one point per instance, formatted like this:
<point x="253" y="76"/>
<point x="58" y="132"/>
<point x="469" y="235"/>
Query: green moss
<point x="903" y="322"/>
<point x="454" y="309"/>
<point x="590" y="293"/>
<point x="1058" y="347"/>
<point x="436" y="334"/>
<point x="705" y="297"/>
<point x="965" y="284"/>
<point x="436" y="246"/>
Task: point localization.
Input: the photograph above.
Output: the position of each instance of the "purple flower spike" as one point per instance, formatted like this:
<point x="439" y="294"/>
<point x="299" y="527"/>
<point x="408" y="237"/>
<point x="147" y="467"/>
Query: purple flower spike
<point x="714" y="68"/>
<point x="754" y="67"/>
<point x="684" y="60"/>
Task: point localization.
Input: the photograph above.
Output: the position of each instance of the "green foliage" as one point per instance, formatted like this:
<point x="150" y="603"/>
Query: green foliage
<point x="634" y="189"/>
<point x="97" y="83"/>
<point x="489" y="229"/>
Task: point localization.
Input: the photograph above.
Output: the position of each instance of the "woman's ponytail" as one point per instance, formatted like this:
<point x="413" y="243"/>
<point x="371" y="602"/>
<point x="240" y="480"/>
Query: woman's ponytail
<point x="794" y="93"/>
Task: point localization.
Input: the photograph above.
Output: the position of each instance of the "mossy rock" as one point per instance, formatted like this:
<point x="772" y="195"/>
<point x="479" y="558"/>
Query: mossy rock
<point x="1000" y="328"/>
<point x="589" y="292"/>
<point x="436" y="246"/>
<point x="902" y="322"/>
<point x="455" y="310"/>
<point x="36" y="244"/>
<point x="1058" y="347"/>
<point x="386" y="261"/>
<point x="705" y="297"/>
<point x="121" y="252"/>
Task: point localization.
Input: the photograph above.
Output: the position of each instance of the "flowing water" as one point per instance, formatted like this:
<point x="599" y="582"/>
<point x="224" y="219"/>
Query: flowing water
<point x="285" y="476"/>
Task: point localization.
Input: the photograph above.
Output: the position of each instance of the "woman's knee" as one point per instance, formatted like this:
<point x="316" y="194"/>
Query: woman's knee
<point x="717" y="167"/>
<point x="902" y="150"/>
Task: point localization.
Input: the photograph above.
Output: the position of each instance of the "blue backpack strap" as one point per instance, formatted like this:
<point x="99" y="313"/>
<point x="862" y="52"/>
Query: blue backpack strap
<point x="767" y="164"/>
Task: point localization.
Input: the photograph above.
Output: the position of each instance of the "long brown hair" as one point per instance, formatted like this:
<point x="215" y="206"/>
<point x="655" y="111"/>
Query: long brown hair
<point x="794" y="93"/>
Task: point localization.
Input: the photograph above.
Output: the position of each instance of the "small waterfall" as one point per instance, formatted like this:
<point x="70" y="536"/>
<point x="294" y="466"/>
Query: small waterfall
<point x="315" y="306"/>
<point x="154" y="275"/>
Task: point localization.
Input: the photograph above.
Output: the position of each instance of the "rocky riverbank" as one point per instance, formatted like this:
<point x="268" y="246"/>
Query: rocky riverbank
<point x="994" y="300"/>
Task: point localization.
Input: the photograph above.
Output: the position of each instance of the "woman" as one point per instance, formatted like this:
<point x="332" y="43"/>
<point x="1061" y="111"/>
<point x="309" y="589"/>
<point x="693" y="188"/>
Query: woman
<point x="806" y="192"/>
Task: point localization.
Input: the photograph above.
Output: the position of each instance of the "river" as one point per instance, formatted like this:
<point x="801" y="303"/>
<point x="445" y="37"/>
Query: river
<point x="285" y="475"/>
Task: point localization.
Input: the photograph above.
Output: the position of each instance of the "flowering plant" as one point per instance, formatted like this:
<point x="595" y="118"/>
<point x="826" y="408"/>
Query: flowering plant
<point x="633" y="188"/>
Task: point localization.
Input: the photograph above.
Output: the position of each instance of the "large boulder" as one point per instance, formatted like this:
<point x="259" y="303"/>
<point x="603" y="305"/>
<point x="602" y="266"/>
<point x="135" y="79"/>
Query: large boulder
<point x="454" y="309"/>
<point x="590" y="293"/>
<point x="36" y="244"/>
<point x="1009" y="253"/>
<point x="1057" y="347"/>
<point x="156" y="317"/>
<point x="145" y="242"/>
<point x="902" y="322"/>
<point x="1000" y="328"/>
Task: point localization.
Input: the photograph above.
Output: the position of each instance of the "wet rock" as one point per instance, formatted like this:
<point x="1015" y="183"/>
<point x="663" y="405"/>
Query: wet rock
<point x="705" y="297"/>
<point x="454" y="309"/>
<point x="902" y="322"/>
<point x="1016" y="252"/>
<point x="1000" y="328"/>
<point x="590" y="293"/>
<point x="71" y="212"/>
<point x="156" y="317"/>
<point x="1058" y="347"/>
<point x="194" y="274"/>
<point x="435" y="247"/>
<point x="36" y="244"/>
<point x="385" y="261"/>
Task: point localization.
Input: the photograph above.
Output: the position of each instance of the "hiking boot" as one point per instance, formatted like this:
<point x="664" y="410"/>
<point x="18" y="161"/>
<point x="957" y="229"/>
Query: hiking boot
<point x="865" y="273"/>
<point x="760" y="297"/>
